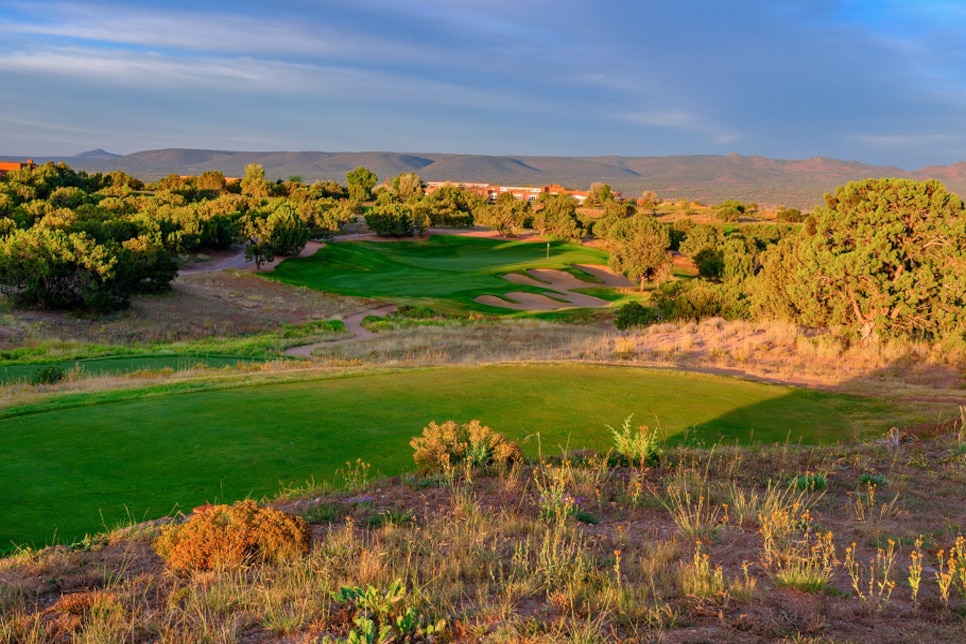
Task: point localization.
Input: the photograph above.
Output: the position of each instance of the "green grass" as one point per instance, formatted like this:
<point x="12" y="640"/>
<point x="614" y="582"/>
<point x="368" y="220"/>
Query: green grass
<point x="85" y="462"/>
<point x="448" y="269"/>
<point x="221" y="350"/>
<point x="115" y="365"/>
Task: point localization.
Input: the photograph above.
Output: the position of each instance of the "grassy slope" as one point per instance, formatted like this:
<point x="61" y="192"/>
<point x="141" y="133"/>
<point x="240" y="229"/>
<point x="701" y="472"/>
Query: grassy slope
<point x="450" y="269"/>
<point x="65" y="468"/>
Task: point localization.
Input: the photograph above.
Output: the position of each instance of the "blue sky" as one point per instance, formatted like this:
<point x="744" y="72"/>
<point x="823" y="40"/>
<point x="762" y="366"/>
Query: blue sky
<point x="882" y="82"/>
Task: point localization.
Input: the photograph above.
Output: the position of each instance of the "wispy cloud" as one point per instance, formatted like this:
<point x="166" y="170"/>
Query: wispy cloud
<point x="892" y="141"/>
<point x="160" y="74"/>
<point x="680" y="119"/>
<point x="202" y="31"/>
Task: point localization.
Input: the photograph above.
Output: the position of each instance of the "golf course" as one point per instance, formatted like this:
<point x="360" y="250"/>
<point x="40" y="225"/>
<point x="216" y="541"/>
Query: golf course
<point x="93" y="459"/>
<point x="446" y="271"/>
<point x="95" y="462"/>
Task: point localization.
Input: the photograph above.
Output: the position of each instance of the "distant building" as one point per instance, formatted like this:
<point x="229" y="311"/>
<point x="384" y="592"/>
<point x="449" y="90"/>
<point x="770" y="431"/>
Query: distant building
<point x="491" y="191"/>
<point x="10" y="166"/>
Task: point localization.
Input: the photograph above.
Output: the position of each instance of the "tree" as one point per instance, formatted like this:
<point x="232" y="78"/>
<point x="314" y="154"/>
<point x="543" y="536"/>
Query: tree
<point x="883" y="257"/>
<point x="710" y="263"/>
<point x="257" y="232"/>
<point x="730" y="210"/>
<point x="599" y="194"/>
<point x="281" y="232"/>
<point x="57" y="269"/>
<point x="254" y="184"/>
<point x="449" y="206"/>
<point x="289" y="234"/>
<point x="648" y="201"/>
<point x="396" y="220"/>
<point x="791" y="215"/>
<point x="638" y="249"/>
<point x="405" y="187"/>
<point x="359" y="183"/>
<point x="507" y="214"/>
<point x="698" y="238"/>
<point x="556" y="218"/>
<point x="212" y="181"/>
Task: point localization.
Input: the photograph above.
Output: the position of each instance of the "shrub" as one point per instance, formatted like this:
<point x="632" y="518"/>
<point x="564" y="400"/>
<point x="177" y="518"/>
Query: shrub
<point x="790" y="215"/>
<point x="444" y="446"/>
<point x="634" y="314"/>
<point x="810" y="481"/>
<point x="641" y="447"/>
<point x="49" y="375"/>
<point x="697" y="299"/>
<point x="231" y="535"/>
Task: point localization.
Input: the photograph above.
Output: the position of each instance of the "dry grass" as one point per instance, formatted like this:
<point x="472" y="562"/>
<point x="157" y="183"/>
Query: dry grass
<point x="200" y="305"/>
<point x="476" y="559"/>
<point x="783" y="352"/>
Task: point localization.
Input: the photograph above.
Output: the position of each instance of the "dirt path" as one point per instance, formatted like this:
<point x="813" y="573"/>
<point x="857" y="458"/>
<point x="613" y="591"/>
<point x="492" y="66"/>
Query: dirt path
<point x="353" y="324"/>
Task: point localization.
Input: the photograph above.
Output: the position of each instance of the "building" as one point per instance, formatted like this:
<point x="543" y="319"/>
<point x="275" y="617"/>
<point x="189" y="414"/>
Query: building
<point x="10" y="166"/>
<point x="491" y="191"/>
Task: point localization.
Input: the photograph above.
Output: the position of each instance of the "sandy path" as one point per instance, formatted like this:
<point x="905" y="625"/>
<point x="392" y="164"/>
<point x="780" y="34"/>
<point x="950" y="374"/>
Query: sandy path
<point x="353" y="324"/>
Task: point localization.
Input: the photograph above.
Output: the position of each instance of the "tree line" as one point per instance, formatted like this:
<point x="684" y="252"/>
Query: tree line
<point x="880" y="258"/>
<point x="70" y="240"/>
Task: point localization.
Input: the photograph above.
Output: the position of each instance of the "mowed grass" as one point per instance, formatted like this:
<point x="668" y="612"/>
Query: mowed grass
<point x="82" y="469"/>
<point x="114" y="365"/>
<point x="448" y="269"/>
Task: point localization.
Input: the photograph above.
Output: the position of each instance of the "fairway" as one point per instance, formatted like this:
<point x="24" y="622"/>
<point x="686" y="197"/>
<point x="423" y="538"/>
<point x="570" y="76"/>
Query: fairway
<point x="63" y="470"/>
<point x="443" y="268"/>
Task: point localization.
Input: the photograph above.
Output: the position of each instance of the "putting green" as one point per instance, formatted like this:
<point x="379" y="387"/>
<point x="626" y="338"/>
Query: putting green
<point x="443" y="269"/>
<point x="73" y="471"/>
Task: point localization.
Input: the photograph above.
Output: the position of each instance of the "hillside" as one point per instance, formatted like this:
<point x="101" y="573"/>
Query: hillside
<point x="704" y="178"/>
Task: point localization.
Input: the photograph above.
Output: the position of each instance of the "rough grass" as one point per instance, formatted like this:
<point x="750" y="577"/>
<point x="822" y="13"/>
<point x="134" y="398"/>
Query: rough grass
<point x="200" y="307"/>
<point x="86" y="459"/>
<point x="479" y="554"/>
<point x="449" y="270"/>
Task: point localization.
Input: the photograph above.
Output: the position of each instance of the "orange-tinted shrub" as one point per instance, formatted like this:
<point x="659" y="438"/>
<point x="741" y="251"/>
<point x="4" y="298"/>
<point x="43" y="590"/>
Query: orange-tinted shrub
<point x="450" y="444"/>
<point x="231" y="535"/>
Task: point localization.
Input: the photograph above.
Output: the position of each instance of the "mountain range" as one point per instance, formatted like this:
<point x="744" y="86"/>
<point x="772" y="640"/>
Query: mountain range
<point x="705" y="178"/>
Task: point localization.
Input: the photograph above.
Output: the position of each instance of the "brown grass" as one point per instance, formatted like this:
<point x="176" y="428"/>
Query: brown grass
<point x="200" y="305"/>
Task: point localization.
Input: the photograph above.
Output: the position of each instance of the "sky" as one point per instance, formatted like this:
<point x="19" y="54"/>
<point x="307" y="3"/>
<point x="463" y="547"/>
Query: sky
<point x="877" y="81"/>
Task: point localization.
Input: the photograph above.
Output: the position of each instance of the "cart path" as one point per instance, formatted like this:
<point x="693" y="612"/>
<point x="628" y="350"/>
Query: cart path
<point x="353" y="324"/>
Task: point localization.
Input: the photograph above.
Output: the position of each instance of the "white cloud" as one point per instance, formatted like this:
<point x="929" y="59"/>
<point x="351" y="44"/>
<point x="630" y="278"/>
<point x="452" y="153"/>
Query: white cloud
<point x="221" y="32"/>
<point x="895" y="141"/>
<point x="679" y="119"/>
<point x="246" y="76"/>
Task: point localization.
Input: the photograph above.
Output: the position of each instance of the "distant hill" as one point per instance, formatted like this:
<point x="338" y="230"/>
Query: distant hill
<point x="98" y="154"/>
<point x="705" y="178"/>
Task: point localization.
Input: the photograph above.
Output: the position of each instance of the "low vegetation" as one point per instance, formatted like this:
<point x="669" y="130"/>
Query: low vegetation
<point x="229" y="536"/>
<point x="707" y="543"/>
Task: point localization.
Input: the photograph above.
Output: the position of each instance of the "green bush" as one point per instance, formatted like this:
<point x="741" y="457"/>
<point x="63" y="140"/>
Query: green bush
<point x="641" y="446"/>
<point x="634" y="314"/>
<point x="695" y="300"/>
<point x="49" y="375"/>
<point x="790" y="215"/>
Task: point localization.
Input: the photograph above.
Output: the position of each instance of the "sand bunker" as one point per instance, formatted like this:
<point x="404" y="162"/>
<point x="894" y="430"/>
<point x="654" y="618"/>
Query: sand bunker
<point x="560" y="287"/>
